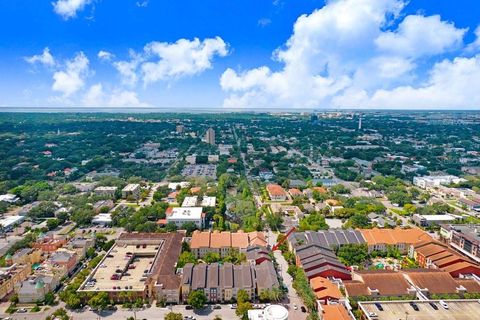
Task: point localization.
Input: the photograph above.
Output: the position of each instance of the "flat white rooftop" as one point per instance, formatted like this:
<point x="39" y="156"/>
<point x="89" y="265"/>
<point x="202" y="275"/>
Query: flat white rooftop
<point x="131" y="187"/>
<point x="208" y="201"/>
<point x="186" y="213"/>
<point x="190" y="201"/>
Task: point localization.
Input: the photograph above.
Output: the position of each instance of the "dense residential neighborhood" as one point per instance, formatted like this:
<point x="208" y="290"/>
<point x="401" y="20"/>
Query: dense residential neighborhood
<point x="240" y="216"/>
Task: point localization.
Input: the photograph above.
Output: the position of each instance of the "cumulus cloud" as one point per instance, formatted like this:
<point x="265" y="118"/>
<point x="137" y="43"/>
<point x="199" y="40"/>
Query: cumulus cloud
<point x="45" y="58"/>
<point x="105" y="55"/>
<point x="421" y="36"/>
<point x="350" y="54"/>
<point x="450" y="84"/>
<point x="72" y="78"/>
<point x="182" y="58"/>
<point x="97" y="97"/>
<point x="128" y="69"/>
<point x="68" y="9"/>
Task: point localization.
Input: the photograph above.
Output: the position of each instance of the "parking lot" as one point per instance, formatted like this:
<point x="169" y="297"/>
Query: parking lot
<point x="400" y="310"/>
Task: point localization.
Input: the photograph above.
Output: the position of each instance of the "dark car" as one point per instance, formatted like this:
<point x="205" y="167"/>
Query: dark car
<point x="433" y="305"/>
<point x="303" y="309"/>
<point x="187" y="307"/>
<point x="414" y="306"/>
<point x="217" y="307"/>
<point x="379" y="306"/>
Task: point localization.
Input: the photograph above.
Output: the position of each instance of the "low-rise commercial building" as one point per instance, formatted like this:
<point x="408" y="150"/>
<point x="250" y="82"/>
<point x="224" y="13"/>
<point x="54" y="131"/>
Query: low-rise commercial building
<point x="141" y="265"/>
<point x="435" y="181"/>
<point x="131" y="191"/>
<point x="428" y="220"/>
<point x="106" y="191"/>
<point x="181" y="215"/>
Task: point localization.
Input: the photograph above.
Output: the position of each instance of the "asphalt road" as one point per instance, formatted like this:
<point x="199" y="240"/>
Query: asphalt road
<point x="292" y="297"/>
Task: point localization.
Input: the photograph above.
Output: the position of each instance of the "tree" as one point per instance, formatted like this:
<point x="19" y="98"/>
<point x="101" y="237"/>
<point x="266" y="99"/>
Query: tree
<point x="52" y="223"/>
<point x="358" y="221"/>
<point x="243" y="304"/>
<point x="184" y="258"/>
<point x="314" y="222"/>
<point x="99" y="300"/>
<point x="49" y="298"/>
<point x="189" y="227"/>
<point x="90" y="253"/>
<point x="197" y="299"/>
<point x="353" y="254"/>
<point x="173" y="316"/>
<point x="211" y="257"/>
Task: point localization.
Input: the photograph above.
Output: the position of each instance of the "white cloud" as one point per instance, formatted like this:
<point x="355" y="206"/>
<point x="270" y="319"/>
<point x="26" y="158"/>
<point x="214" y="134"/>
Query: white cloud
<point x="69" y="8"/>
<point x="450" y="84"/>
<point x="97" y="97"/>
<point x="72" y="78"/>
<point x="128" y="69"/>
<point x="142" y="4"/>
<point x="125" y="99"/>
<point x="182" y="58"/>
<point x="105" y="55"/>
<point x="418" y="36"/>
<point x="45" y="58"/>
<point x="349" y="53"/>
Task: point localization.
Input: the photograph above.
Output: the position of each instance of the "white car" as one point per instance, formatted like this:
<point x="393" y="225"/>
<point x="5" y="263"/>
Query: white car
<point x="295" y="307"/>
<point x="443" y="304"/>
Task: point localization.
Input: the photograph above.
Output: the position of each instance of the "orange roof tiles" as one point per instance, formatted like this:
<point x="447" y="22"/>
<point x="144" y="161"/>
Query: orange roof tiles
<point x="335" y="312"/>
<point x="200" y="240"/>
<point x="389" y="283"/>
<point x="195" y="190"/>
<point x="257" y="238"/>
<point x="356" y="288"/>
<point x="239" y="240"/>
<point x="324" y="289"/>
<point x="394" y="236"/>
<point x="275" y="190"/>
<point x="459" y="266"/>
<point x="224" y="239"/>
<point x="471" y="285"/>
<point x="220" y="239"/>
<point x="295" y="191"/>
<point x="320" y="189"/>
<point x="437" y="282"/>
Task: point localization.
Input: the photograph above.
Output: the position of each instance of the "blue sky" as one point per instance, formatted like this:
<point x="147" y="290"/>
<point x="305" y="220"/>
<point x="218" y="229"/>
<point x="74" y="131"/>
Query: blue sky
<point x="240" y="54"/>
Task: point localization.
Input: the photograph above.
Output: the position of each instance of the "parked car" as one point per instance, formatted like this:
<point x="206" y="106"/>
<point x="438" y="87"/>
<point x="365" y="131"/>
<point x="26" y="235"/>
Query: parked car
<point x="303" y="309"/>
<point x="433" y="305"/>
<point x="188" y="307"/>
<point x="414" y="306"/>
<point x="379" y="306"/>
<point x="443" y="304"/>
<point x="217" y="307"/>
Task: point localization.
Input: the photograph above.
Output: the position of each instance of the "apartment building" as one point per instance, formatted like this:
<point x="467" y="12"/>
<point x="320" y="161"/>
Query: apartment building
<point x="436" y="255"/>
<point x="131" y="191"/>
<point x="223" y="242"/>
<point x="401" y="239"/>
<point x="221" y="282"/>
